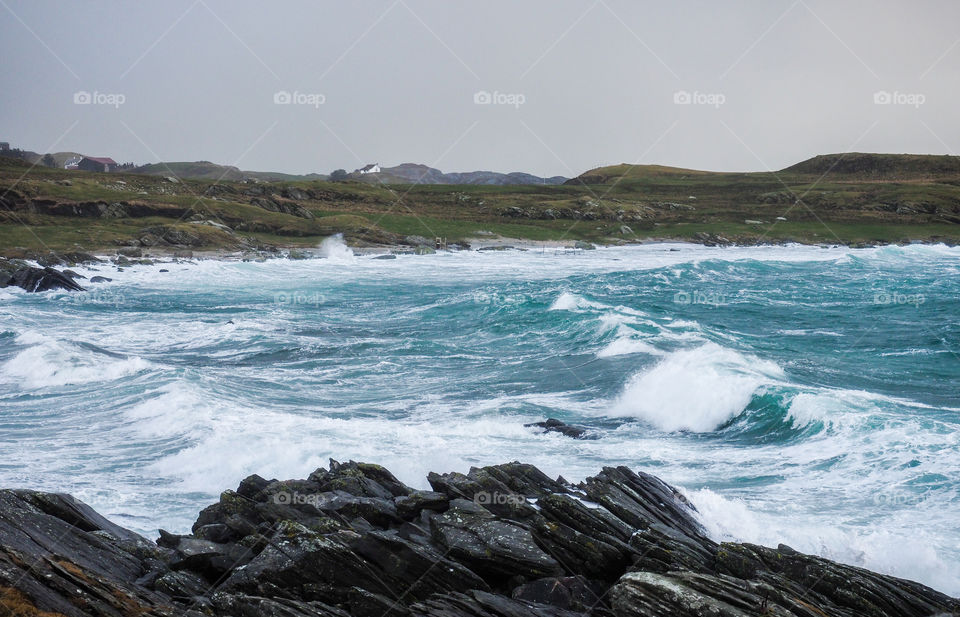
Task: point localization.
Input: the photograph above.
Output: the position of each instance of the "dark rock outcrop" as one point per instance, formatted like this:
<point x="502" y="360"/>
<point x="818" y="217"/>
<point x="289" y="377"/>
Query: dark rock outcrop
<point x="20" y="274"/>
<point x="498" y="541"/>
<point x="552" y="425"/>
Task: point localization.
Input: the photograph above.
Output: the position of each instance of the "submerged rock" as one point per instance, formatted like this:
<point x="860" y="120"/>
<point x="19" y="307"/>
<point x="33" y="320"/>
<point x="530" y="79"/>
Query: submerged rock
<point x="498" y="541"/>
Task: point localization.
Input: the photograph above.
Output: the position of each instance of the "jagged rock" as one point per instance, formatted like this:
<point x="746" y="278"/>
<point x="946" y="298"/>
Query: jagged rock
<point x="649" y="594"/>
<point x="499" y="541"/>
<point x="360" y="479"/>
<point x="580" y="552"/>
<point x="493" y="548"/>
<point x="410" y="506"/>
<point x="574" y="593"/>
<point x="181" y="585"/>
<point x="50" y="260"/>
<point x="63" y="557"/>
<point x="284" y="207"/>
<point x="29" y="278"/>
<point x="482" y="604"/>
<point x="100" y="279"/>
<point x="240" y="605"/>
<point x="417" y="241"/>
<point x="640" y="499"/>
<point x="552" y="425"/>
<point x="709" y="239"/>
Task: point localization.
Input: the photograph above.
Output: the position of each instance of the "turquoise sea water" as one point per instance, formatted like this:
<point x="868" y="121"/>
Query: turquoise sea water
<point x="797" y="394"/>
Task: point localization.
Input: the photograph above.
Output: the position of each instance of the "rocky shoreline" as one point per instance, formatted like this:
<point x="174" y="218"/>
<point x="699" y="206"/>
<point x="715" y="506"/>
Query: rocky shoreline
<point x="17" y="269"/>
<point x="499" y="541"/>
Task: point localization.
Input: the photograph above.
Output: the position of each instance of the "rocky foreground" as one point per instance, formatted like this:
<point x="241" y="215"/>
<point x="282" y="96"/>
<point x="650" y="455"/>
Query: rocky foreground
<point x="501" y="541"/>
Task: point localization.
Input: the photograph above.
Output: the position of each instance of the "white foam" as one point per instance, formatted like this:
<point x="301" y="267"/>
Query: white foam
<point x="806" y="332"/>
<point x="626" y="345"/>
<point x="568" y="301"/>
<point x="695" y="389"/>
<point x="47" y="362"/>
<point x="334" y="249"/>
<point x="871" y="547"/>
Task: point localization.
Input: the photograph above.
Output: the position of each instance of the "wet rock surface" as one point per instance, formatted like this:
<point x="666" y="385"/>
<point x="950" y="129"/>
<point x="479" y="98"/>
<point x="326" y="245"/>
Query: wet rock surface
<point x="498" y="541"/>
<point x="18" y="273"/>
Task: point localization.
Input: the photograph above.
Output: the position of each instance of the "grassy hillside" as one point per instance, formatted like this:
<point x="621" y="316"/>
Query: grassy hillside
<point x="196" y="170"/>
<point x="893" y="167"/>
<point x="205" y="170"/>
<point x="625" y="171"/>
<point x="72" y="210"/>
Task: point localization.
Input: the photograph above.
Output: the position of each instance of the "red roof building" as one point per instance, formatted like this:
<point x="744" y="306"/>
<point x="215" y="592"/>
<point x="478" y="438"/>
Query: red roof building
<point x="97" y="163"/>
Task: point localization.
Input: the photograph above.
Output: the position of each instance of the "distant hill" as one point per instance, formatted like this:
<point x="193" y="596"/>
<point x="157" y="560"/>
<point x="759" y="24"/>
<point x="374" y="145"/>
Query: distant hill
<point x="625" y="171"/>
<point x="415" y="173"/>
<point x="848" y="166"/>
<point x="205" y="170"/>
<point x="880" y="166"/>
<point x="34" y="158"/>
<point x="198" y="170"/>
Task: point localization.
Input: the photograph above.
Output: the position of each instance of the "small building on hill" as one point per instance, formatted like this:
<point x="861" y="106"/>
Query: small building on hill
<point x="372" y="168"/>
<point x="4" y="146"/>
<point x="97" y="163"/>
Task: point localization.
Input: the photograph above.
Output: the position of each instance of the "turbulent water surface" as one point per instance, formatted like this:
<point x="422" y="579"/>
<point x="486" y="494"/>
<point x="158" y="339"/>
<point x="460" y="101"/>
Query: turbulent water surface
<point x="796" y="394"/>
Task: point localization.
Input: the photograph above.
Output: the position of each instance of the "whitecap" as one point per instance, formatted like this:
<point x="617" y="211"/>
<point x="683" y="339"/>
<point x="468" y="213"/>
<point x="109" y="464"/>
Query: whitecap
<point x="695" y="389"/>
<point x="48" y="362"/>
<point x="336" y="250"/>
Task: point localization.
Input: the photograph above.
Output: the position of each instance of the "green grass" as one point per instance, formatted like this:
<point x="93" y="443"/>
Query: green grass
<point x="836" y="208"/>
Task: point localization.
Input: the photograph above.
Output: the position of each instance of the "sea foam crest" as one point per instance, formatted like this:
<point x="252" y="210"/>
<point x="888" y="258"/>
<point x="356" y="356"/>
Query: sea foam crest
<point x="334" y="249"/>
<point x="695" y="389"/>
<point x="48" y="362"/>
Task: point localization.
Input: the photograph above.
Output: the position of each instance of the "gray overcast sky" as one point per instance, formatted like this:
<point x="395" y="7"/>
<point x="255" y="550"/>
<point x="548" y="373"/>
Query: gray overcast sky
<point x="770" y="82"/>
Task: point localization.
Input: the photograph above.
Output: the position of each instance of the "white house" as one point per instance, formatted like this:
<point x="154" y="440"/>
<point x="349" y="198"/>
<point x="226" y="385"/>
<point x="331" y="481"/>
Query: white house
<point x="373" y="168"/>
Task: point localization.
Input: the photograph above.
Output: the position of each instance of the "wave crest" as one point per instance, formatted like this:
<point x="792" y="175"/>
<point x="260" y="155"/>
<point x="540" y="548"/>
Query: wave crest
<point x="697" y="389"/>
